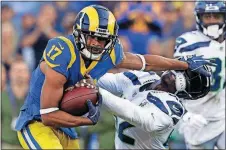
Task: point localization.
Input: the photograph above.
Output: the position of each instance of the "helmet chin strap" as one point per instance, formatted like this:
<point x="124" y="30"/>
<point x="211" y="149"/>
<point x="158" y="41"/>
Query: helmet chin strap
<point x="213" y="31"/>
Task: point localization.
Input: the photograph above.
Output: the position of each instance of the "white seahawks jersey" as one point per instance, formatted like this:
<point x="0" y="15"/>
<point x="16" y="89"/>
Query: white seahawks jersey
<point x="212" y="106"/>
<point x="151" y="126"/>
<point x="125" y="84"/>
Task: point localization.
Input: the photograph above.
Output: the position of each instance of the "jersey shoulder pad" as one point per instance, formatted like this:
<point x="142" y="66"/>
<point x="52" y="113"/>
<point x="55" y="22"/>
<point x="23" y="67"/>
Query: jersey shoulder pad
<point x="60" y="51"/>
<point x="59" y="54"/>
<point x="191" y="41"/>
<point x="117" y="53"/>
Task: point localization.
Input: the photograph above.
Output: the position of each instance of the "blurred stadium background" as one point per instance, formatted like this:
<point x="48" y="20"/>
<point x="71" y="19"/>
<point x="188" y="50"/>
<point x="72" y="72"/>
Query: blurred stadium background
<point x="145" y="27"/>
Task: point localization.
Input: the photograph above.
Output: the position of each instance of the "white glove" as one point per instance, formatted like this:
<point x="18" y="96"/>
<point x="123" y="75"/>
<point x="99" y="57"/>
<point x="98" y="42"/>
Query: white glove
<point x="195" y="120"/>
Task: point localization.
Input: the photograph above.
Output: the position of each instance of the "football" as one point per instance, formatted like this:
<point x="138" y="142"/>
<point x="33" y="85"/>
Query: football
<point x="74" y="101"/>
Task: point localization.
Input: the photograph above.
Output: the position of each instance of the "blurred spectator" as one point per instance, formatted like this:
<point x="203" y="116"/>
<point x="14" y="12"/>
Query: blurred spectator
<point x="28" y="23"/>
<point x="186" y="22"/>
<point x="77" y="6"/>
<point x="141" y="24"/>
<point x="7" y="13"/>
<point x="165" y="44"/>
<point x="120" y="9"/>
<point x="24" y="7"/>
<point x="19" y="79"/>
<point x="44" y="29"/>
<point x="9" y="43"/>
<point x="20" y="8"/>
<point x="46" y="21"/>
<point x="62" y="7"/>
<point x="9" y="36"/>
<point x="68" y="22"/>
<point x="158" y="9"/>
<point x="109" y="4"/>
<point x="3" y="79"/>
<point x="9" y="138"/>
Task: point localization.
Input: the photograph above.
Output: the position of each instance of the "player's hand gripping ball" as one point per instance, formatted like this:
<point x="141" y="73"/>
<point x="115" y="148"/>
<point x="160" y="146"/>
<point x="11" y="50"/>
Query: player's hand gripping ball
<point x="75" y="98"/>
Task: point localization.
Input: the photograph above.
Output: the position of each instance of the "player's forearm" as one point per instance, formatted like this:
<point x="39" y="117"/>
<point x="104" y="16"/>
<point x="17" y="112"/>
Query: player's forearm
<point x="153" y="62"/>
<point x="128" y="111"/>
<point x="62" y="119"/>
<point x="50" y="99"/>
<point x="116" y="105"/>
<point x="31" y="38"/>
<point x="159" y="63"/>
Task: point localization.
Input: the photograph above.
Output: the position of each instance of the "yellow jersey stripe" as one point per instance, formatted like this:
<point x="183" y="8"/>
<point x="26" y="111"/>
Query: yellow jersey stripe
<point x="22" y="140"/>
<point x="83" y="69"/>
<point x="93" y="18"/>
<point x="113" y="57"/>
<point x="95" y="81"/>
<point x="72" y="50"/>
<point x="49" y="63"/>
<point x="30" y="138"/>
<point x="111" y="23"/>
<point x="82" y="66"/>
<point x="43" y="136"/>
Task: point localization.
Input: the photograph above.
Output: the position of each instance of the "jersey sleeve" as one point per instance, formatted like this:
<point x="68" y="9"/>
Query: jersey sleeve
<point x="114" y="83"/>
<point x="148" y="119"/>
<point x="59" y="54"/>
<point x="117" y="53"/>
<point x="189" y="44"/>
<point x="179" y="44"/>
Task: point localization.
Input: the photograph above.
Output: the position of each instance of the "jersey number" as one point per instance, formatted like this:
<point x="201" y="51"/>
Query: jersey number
<point x="176" y="110"/>
<point x="216" y="75"/>
<point x="54" y="52"/>
<point x="124" y="138"/>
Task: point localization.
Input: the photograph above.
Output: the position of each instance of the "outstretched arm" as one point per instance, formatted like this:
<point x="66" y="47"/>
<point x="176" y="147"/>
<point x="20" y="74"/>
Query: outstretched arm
<point x="153" y="62"/>
<point x="159" y="63"/>
<point x="147" y="118"/>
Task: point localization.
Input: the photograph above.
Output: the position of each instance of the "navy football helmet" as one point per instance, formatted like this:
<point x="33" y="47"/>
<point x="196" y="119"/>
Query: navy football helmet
<point x="202" y="7"/>
<point x="99" y="22"/>
<point x="192" y="85"/>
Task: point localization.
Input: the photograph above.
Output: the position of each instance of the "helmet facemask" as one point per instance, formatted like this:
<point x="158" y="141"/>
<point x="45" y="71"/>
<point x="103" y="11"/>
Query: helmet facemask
<point x="214" y="8"/>
<point x="213" y="30"/>
<point x="178" y="83"/>
<point x="95" y="53"/>
<point x="191" y="85"/>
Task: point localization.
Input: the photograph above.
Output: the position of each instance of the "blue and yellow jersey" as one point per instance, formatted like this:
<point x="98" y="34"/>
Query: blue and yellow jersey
<point x="62" y="56"/>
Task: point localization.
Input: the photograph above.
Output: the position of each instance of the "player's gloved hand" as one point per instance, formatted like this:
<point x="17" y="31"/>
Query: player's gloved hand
<point x="195" y="120"/>
<point x="88" y="82"/>
<point x="94" y="110"/>
<point x="196" y="63"/>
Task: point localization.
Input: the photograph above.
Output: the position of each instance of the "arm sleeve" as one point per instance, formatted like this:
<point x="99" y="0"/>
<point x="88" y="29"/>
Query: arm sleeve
<point x="147" y="118"/>
<point x="185" y="45"/>
<point x="109" y="83"/>
<point x="118" y="52"/>
<point x="114" y="83"/>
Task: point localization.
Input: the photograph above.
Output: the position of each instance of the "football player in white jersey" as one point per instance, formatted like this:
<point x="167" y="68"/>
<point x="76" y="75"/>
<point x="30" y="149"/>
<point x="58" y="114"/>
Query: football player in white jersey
<point x="149" y="108"/>
<point x="208" y="40"/>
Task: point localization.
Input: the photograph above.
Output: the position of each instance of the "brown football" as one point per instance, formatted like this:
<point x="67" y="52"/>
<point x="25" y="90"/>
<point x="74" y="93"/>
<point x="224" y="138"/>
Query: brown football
<point x="74" y="101"/>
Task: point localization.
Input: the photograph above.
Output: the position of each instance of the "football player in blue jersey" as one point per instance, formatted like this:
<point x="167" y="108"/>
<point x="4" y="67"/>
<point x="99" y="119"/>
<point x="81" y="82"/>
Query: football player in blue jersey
<point x="92" y="49"/>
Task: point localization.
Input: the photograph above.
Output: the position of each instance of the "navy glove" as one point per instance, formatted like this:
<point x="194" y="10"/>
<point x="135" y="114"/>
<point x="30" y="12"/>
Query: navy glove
<point x="196" y="63"/>
<point x="94" y="111"/>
